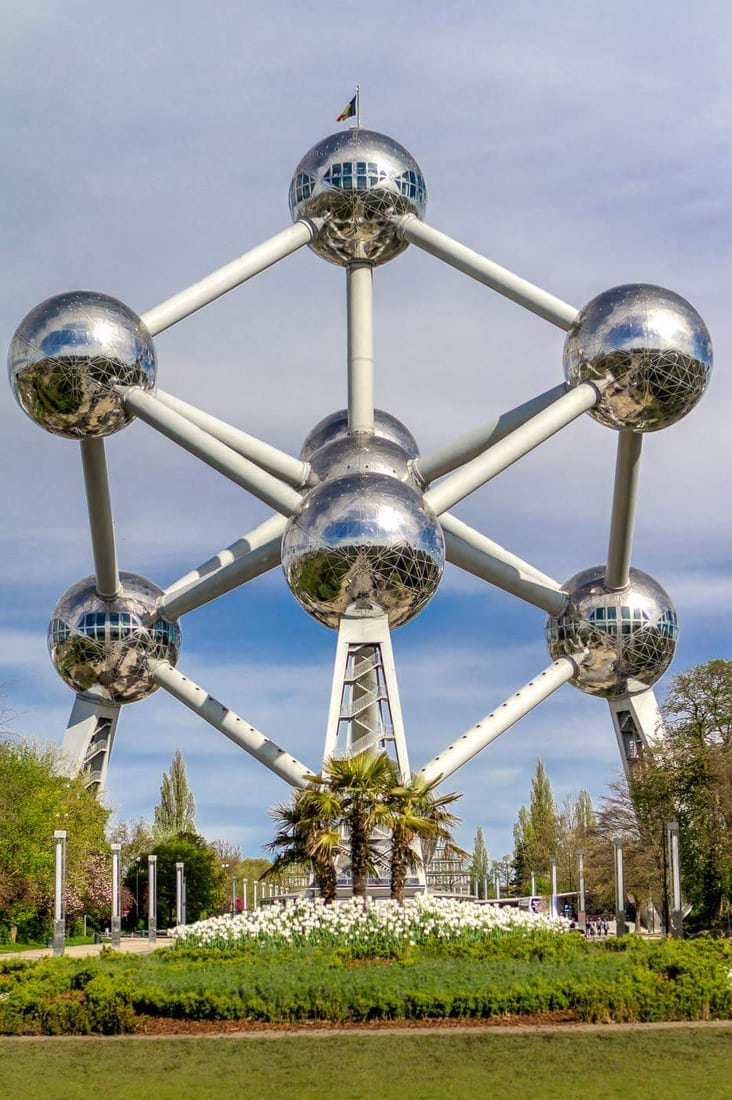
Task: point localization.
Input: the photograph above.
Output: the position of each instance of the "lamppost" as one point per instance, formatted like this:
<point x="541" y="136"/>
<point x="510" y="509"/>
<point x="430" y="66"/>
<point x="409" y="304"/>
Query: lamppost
<point x="137" y="889"/>
<point x="116" y="921"/>
<point x="581" y="915"/>
<point x="59" y="892"/>
<point x="224" y="868"/>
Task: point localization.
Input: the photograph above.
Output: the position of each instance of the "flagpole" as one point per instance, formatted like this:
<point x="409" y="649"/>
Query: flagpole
<point x="358" y="106"/>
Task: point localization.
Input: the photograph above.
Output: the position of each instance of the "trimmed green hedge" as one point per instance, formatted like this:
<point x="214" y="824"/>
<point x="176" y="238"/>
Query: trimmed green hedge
<point x="625" y="980"/>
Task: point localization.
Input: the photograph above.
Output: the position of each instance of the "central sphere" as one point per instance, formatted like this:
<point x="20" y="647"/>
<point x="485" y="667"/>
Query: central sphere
<point x="68" y="354"/>
<point x="365" y="542"/>
<point x="628" y="636"/>
<point x="357" y="179"/>
<point x="102" y="646"/>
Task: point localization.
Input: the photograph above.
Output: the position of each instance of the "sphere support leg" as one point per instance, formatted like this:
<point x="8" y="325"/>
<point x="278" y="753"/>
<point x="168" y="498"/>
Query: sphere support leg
<point x="638" y="726"/>
<point x="101" y="525"/>
<point x="88" y="740"/>
<point x="625" y="495"/>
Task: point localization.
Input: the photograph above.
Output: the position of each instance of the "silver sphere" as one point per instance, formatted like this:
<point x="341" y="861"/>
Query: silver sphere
<point x="102" y="646"/>
<point x="653" y="343"/>
<point x="66" y="356"/>
<point x="357" y="179"/>
<point x="363" y="543"/>
<point x="629" y="636"/>
<point x="361" y="455"/>
<point x="335" y="426"/>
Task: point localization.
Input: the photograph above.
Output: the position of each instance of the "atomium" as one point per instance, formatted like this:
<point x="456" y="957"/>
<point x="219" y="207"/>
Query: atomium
<point x="357" y="180"/>
<point x="68" y="354"/>
<point x="652" y="346"/>
<point x="103" y="646"/>
<point x="364" y="524"/>
<point x="623" y="641"/>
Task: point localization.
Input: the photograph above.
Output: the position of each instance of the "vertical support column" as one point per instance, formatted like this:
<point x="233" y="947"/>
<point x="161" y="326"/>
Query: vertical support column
<point x="254" y="895"/>
<point x="59" y="892"/>
<point x="360" y="308"/>
<point x="116" y="921"/>
<point x="233" y="896"/>
<point x="620" y="928"/>
<point x="533" y="884"/>
<point x="555" y="899"/>
<point x="581" y="912"/>
<point x="101" y="524"/>
<point x="179" y="888"/>
<point x="152" y="899"/>
<point x="244" y="888"/>
<point x="625" y="495"/>
<point x="674" y="859"/>
<point x="497" y="884"/>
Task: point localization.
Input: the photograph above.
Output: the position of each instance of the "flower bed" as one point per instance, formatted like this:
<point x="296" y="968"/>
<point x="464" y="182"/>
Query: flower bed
<point x="371" y="926"/>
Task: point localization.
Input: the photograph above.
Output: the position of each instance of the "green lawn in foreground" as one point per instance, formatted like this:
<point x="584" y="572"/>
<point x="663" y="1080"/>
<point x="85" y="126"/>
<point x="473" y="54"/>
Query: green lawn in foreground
<point x="652" y="1064"/>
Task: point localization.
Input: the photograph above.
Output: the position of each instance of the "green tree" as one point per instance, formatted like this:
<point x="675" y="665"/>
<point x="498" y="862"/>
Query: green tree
<point x="177" y="808"/>
<point x="35" y="800"/>
<point x="479" y="864"/>
<point x="205" y="880"/>
<point x="536" y="834"/>
<point x="308" y="836"/>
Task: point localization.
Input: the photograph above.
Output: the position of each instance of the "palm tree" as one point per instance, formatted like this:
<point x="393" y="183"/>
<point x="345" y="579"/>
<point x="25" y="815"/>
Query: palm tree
<point x="309" y="835"/>
<point x="415" y="814"/>
<point x="360" y="783"/>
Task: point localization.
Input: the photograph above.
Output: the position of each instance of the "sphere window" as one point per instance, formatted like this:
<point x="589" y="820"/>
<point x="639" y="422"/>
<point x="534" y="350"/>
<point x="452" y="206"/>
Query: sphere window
<point x="300" y="189"/>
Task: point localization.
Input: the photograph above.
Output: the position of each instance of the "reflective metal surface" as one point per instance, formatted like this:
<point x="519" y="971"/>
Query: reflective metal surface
<point x="629" y="636"/>
<point x="335" y="426"/>
<point x="102" y="645"/>
<point x="66" y="356"/>
<point x="366" y="543"/>
<point x="361" y="454"/>
<point x="357" y="179"/>
<point x="653" y="343"/>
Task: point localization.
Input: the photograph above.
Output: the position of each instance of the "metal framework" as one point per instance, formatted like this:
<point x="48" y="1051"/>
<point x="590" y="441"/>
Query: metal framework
<point x="361" y="522"/>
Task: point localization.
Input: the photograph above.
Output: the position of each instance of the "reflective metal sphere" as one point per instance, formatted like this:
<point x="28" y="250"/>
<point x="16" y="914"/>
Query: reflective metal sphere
<point x="653" y="343"/>
<point x="335" y="426"/>
<point x="66" y="356"/>
<point x="629" y="636"/>
<point x="365" y="543"/>
<point x="358" y="455"/>
<point x="357" y="179"/>
<point x="102" y="646"/>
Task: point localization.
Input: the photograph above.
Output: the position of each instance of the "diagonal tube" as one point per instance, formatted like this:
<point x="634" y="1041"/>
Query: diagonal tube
<point x="464" y="481"/>
<point x="476" y="554"/>
<point x="274" y="461"/>
<point x="448" y="458"/>
<point x="498" y="721"/>
<point x="101" y="524"/>
<point x="625" y="495"/>
<point x="225" y="278"/>
<point x="245" y="559"/>
<point x="485" y="271"/>
<point x="283" y="498"/>
<point x="284" y="765"/>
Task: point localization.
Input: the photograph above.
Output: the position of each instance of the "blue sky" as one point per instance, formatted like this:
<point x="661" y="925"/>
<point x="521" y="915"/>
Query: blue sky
<point x="580" y="144"/>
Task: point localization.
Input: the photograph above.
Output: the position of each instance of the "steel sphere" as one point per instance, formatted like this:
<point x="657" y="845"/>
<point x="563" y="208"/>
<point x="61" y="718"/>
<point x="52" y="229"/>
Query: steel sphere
<point x="628" y="636"/>
<point x="335" y="426"/>
<point x="101" y="647"/>
<point x="363" y="543"/>
<point x="655" y="346"/>
<point x="357" y="179"/>
<point x="67" y="355"/>
<point x="353" y="455"/>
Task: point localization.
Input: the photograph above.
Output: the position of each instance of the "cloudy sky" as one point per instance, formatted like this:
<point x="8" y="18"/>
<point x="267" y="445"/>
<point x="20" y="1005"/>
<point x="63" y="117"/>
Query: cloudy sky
<point x="582" y="145"/>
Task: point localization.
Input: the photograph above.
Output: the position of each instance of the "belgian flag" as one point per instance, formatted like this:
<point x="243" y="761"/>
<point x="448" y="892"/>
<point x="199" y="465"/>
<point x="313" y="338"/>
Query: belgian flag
<point x="349" y="111"/>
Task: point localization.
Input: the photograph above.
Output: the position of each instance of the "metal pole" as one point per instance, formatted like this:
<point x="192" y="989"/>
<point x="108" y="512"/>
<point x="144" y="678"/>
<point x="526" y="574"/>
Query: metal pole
<point x="485" y="887"/>
<point x="231" y="725"/>
<point x="152" y="899"/>
<point x="101" y="525"/>
<point x="233" y="896"/>
<point x="555" y="899"/>
<point x="497" y="883"/>
<point x="533" y="884"/>
<point x="498" y="278"/>
<point x="461" y="483"/>
<point x="179" y="879"/>
<point x="283" y="498"/>
<point x="625" y="493"/>
<point x="254" y="898"/>
<point x="677" y="913"/>
<point x="448" y="458"/>
<point x="620" y="928"/>
<point x="244" y="888"/>
<point x="206" y="290"/>
<point x="276" y="462"/>
<point x="248" y="557"/>
<point x="359" y="283"/>
<point x="116" y="921"/>
<point x="498" y="721"/>
<point x="59" y="892"/>
<point x="479" y="555"/>
<point x="581" y="912"/>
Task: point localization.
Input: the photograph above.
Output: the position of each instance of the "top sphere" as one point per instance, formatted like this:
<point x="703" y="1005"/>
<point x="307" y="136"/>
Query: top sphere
<point x="653" y="343"/>
<point x="357" y="179"/>
<point x="68" y="354"/>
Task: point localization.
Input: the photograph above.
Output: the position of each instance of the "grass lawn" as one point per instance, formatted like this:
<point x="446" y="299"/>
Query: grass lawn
<point x="647" y="1063"/>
